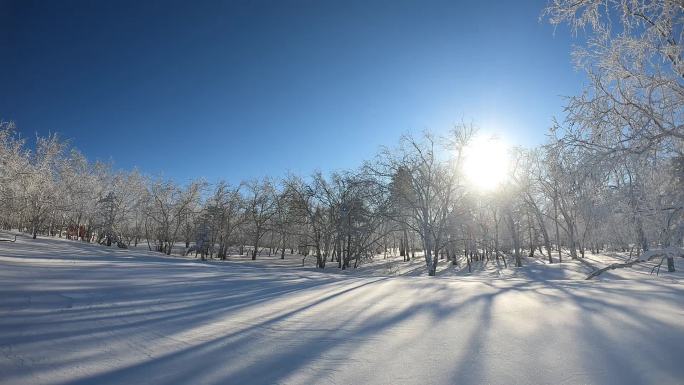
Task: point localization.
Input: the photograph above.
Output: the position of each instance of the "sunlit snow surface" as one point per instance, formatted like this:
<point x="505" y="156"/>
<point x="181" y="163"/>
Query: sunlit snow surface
<point x="72" y="313"/>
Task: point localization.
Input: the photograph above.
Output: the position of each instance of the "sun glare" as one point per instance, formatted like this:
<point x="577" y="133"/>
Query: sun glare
<point x="486" y="162"/>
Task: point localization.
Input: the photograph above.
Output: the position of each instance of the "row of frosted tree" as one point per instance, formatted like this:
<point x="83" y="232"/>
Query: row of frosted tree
<point x="559" y="201"/>
<point x="610" y="176"/>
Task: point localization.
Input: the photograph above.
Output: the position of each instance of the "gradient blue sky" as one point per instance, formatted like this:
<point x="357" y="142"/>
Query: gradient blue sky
<point x="241" y="89"/>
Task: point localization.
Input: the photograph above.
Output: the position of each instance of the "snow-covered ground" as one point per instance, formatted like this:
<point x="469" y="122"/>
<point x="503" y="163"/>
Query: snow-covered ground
<point x="73" y="313"/>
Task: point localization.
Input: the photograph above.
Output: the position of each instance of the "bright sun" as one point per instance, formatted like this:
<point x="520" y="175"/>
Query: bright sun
<point x="486" y="162"/>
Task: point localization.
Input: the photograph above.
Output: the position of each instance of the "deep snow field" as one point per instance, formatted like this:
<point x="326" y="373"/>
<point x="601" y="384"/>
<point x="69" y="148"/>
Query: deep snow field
<point x="74" y="313"/>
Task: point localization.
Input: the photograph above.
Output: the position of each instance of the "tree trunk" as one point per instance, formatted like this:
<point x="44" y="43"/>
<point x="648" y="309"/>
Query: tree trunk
<point x="555" y="213"/>
<point x="670" y="264"/>
<point x="427" y="249"/>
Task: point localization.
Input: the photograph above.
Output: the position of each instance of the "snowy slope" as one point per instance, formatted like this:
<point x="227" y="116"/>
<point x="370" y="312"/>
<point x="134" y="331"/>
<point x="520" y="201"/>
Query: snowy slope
<point x="82" y="314"/>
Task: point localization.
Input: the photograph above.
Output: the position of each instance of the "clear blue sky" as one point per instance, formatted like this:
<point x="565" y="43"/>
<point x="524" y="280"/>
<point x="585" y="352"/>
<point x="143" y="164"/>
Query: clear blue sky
<point x="241" y="89"/>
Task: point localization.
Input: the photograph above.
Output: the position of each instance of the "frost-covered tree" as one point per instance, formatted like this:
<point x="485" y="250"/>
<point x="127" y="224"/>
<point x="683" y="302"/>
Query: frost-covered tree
<point x="40" y="183"/>
<point x="166" y="210"/>
<point x="432" y="186"/>
<point x="14" y="167"/>
<point x="261" y="206"/>
<point x="530" y="169"/>
<point x="633" y="58"/>
<point x="631" y="114"/>
<point x="224" y="213"/>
